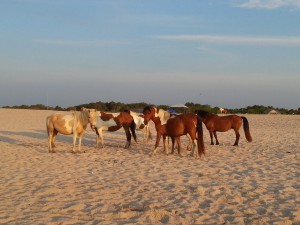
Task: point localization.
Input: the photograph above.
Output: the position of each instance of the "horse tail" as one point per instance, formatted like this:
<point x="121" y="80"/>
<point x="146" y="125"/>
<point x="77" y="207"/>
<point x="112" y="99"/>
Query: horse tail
<point x="200" y="141"/>
<point x="48" y="124"/>
<point x="132" y="128"/>
<point x="246" y="129"/>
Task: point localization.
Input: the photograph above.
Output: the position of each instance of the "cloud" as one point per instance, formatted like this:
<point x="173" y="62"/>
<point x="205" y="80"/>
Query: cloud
<point x="80" y="43"/>
<point x="234" y="40"/>
<point x="270" y="4"/>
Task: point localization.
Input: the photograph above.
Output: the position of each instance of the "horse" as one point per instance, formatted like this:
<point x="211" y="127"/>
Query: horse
<point x="74" y="123"/>
<point x="175" y="127"/>
<point x="223" y="110"/>
<point x="164" y="116"/>
<point x="140" y="125"/>
<point x="216" y="123"/>
<point x="113" y="122"/>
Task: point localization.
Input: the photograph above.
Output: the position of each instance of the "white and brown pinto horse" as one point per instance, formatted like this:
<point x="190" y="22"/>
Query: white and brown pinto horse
<point x="113" y="122"/>
<point x="223" y="110"/>
<point x="140" y="125"/>
<point x="175" y="127"/>
<point x="74" y="123"/>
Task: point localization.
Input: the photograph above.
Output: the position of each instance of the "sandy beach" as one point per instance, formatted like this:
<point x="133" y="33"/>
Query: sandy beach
<point x="254" y="183"/>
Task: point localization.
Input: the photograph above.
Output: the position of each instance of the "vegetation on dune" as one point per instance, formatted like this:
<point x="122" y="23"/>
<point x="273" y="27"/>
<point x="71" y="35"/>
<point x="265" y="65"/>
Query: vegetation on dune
<point x="118" y="106"/>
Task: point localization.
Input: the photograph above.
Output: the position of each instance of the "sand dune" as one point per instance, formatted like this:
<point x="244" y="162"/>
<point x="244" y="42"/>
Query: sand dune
<point x="255" y="183"/>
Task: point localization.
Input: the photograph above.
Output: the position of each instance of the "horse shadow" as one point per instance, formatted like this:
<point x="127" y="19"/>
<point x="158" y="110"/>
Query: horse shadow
<point x="39" y="135"/>
<point x="9" y="140"/>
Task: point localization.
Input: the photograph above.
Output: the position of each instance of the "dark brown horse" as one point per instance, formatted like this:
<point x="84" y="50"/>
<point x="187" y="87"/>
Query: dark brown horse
<point x="113" y="122"/>
<point x="175" y="127"/>
<point x="216" y="123"/>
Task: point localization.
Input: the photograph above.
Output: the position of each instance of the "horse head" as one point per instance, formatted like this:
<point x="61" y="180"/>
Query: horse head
<point x="149" y="113"/>
<point x="91" y="116"/>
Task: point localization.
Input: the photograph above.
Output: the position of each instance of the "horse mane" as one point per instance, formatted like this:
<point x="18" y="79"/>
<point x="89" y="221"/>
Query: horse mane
<point x="202" y="113"/>
<point x="147" y="108"/>
<point x="81" y="116"/>
<point x="163" y="114"/>
<point x="127" y="111"/>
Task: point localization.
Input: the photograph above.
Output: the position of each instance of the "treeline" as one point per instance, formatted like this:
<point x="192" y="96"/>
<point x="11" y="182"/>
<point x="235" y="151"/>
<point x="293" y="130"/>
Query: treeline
<point x="138" y="107"/>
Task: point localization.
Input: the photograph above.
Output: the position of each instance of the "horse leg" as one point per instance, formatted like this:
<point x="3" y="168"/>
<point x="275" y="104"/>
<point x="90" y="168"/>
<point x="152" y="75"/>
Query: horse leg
<point x="53" y="138"/>
<point x="79" y="141"/>
<point x="149" y="136"/>
<point x="194" y="152"/>
<point x="190" y="144"/>
<point x="167" y="142"/>
<point x="145" y="136"/>
<point x="179" y="146"/>
<point x="158" y="136"/>
<point x="193" y="142"/>
<point x="74" y="142"/>
<point x="52" y="135"/>
<point x="215" y="134"/>
<point x="237" y="137"/>
<point x="50" y="142"/>
<point x="128" y="136"/>
<point x="173" y="145"/>
<point x="165" y="146"/>
<point x="211" y="138"/>
<point x="101" y="136"/>
<point x="97" y="137"/>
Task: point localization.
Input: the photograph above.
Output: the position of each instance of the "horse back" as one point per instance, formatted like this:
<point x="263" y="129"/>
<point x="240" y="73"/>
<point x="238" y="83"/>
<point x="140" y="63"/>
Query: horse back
<point x="124" y="118"/>
<point x="224" y="123"/>
<point x="61" y="123"/>
<point x="181" y="125"/>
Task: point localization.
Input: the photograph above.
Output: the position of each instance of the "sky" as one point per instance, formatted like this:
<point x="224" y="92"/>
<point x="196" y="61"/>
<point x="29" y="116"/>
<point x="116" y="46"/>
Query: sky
<point x="224" y="53"/>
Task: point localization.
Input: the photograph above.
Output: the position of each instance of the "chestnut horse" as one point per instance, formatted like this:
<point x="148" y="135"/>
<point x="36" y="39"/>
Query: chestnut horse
<point x="164" y="116"/>
<point x="216" y="123"/>
<point x="113" y="122"/>
<point x="74" y="123"/>
<point x="175" y="127"/>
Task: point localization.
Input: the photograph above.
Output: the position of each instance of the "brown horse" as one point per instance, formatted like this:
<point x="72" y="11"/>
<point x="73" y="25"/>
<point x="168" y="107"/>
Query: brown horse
<point x="175" y="127"/>
<point x="74" y="123"/>
<point x="216" y="123"/>
<point x="113" y="122"/>
<point x="164" y="116"/>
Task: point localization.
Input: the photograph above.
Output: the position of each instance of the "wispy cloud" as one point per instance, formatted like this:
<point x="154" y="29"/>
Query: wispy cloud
<point x="80" y="43"/>
<point x="270" y="4"/>
<point x="234" y="40"/>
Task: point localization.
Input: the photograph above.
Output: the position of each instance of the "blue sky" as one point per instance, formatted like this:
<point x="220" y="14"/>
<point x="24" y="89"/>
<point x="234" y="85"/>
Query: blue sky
<point x="229" y="53"/>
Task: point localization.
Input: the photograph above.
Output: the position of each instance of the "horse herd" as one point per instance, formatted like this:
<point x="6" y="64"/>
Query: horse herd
<point x="166" y="125"/>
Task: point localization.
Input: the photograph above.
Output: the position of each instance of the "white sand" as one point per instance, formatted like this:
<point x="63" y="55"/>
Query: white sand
<point x="255" y="183"/>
